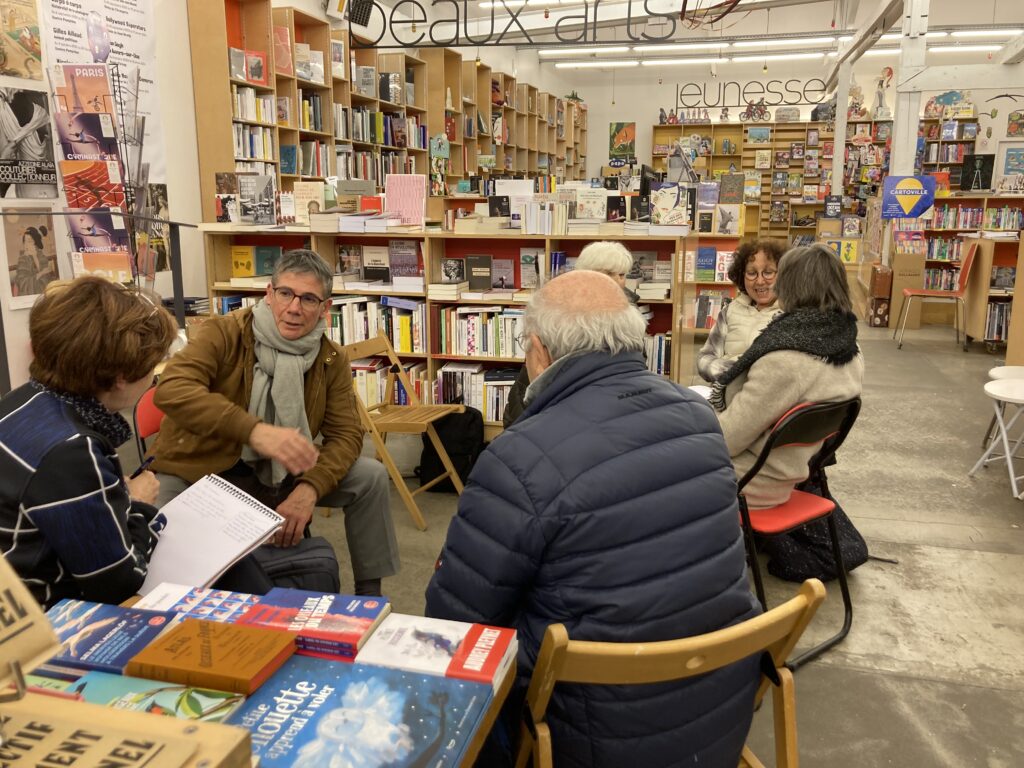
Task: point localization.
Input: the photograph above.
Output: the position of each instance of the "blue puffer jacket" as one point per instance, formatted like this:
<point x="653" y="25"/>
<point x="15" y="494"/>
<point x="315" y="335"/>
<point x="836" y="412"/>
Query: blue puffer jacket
<point x="610" y="506"/>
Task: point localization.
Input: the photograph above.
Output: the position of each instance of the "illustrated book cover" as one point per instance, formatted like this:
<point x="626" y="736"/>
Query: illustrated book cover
<point x="100" y="636"/>
<point x="225" y="657"/>
<point x="441" y="647"/>
<point x="93" y="183"/>
<point x="197" y="602"/>
<point x="87" y="136"/>
<point x="316" y="713"/>
<point x="329" y="626"/>
<point x="170" y="699"/>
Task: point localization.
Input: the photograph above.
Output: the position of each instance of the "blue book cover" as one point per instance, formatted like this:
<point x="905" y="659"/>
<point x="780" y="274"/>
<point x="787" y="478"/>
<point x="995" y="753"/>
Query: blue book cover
<point x="704" y="266"/>
<point x="331" y="626"/>
<point x="100" y="636"/>
<point x="319" y="714"/>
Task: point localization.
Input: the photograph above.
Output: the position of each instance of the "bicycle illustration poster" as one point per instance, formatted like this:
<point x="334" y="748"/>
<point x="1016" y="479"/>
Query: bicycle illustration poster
<point x="20" y="46"/>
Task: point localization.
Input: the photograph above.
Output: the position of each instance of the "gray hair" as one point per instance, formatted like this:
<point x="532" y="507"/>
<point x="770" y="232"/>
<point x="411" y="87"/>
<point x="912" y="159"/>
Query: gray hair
<point x="606" y="256"/>
<point x="812" y="277"/>
<point x="564" y="330"/>
<point x="304" y="261"/>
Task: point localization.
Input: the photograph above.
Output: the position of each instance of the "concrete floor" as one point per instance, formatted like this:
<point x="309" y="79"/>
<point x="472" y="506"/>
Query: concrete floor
<point x="932" y="673"/>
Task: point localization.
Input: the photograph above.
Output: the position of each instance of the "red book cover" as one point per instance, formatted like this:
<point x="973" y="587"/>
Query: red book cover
<point x="93" y="183"/>
<point x="330" y="626"/>
<point x="371" y="203"/>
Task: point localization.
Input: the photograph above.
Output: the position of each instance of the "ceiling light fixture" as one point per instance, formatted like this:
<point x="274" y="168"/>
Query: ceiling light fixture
<point x="676" y="47"/>
<point x="583" y="51"/>
<point x="1007" y="33"/>
<point x="881" y="52"/>
<point x="783" y="41"/>
<point x="681" y="62"/>
<point x="593" y="64"/>
<point x="962" y="48"/>
<point x="779" y="57"/>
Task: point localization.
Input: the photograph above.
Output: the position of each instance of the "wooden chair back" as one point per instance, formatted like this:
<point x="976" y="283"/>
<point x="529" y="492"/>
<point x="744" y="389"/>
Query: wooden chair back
<point x="776" y="633"/>
<point x="380" y="346"/>
<point x="965" y="269"/>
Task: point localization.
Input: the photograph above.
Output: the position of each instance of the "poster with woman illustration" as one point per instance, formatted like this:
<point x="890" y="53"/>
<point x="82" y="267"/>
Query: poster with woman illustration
<point x="31" y="254"/>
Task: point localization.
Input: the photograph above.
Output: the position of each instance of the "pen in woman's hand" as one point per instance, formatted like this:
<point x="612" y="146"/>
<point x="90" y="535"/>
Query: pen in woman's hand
<point x="142" y="468"/>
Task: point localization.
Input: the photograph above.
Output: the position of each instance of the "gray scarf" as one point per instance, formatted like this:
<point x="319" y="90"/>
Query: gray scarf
<point x="278" y="384"/>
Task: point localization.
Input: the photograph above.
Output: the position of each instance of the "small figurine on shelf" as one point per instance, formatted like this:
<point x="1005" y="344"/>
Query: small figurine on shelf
<point x="856" y="110"/>
<point x="573" y="96"/>
<point x="672" y="119"/>
<point x="662" y="116"/>
<point x="724" y="115"/>
<point x="706" y="117"/>
<point x="882" y="111"/>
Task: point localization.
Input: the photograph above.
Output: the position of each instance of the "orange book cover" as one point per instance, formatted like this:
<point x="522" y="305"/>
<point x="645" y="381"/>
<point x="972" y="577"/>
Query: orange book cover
<point x="209" y="654"/>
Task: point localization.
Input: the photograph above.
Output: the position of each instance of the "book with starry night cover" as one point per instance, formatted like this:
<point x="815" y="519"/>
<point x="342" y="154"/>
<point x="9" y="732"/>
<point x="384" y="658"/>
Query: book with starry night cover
<point x="314" y="713"/>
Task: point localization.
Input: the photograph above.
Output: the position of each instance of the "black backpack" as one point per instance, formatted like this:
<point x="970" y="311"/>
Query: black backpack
<point x="462" y="435"/>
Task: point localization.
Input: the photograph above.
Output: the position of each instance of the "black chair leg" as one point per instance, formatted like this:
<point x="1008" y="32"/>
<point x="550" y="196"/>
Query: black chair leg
<point x="844" y="587"/>
<point x="755" y="566"/>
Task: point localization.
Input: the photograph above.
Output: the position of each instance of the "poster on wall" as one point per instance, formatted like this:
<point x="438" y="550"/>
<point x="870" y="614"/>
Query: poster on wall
<point x="622" y="140"/>
<point x="1013" y="157"/>
<point x="20" y="48"/>
<point x="31" y="253"/>
<point x="26" y="165"/>
<point x="112" y="32"/>
<point x="1015" y="123"/>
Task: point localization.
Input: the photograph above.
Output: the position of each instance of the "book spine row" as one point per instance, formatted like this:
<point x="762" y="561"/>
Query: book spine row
<point x="997" y="321"/>
<point x="480" y="334"/>
<point x="253" y="142"/>
<point x="952" y="217"/>
<point x="939" y="279"/>
<point x="944" y="249"/>
<point x="342" y="121"/>
<point x="361" y="320"/>
<point x="313" y="158"/>
<point x="310" y="116"/>
<point x="261" y="169"/>
<point x="1005" y="218"/>
<point x="248" y="106"/>
<point x="658" y="348"/>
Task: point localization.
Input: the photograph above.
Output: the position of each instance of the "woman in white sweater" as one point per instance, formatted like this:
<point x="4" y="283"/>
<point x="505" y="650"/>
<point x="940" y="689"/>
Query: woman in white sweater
<point x="753" y="271"/>
<point x="808" y="353"/>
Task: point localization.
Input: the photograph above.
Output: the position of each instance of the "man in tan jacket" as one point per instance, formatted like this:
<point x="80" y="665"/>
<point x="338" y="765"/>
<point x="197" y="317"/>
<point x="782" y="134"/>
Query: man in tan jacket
<point x="246" y="398"/>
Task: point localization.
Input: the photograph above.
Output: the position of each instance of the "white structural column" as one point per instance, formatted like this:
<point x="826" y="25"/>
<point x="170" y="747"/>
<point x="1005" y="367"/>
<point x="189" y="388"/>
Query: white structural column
<point x="907" y="108"/>
<point x="839" y="142"/>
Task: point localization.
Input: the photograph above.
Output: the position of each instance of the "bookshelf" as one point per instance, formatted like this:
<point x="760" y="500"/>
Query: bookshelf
<point x="435" y="247"/>
<point x="944" y="145"/>
<point x="983" y="301"/>
<point x="866" y="160"/>
<point x="353" y="135"/>
<point x="734" y="147"/>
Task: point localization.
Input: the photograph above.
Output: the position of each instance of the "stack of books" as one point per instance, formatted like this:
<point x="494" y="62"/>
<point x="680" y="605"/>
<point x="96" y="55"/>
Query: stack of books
<point x="446" y="291"/>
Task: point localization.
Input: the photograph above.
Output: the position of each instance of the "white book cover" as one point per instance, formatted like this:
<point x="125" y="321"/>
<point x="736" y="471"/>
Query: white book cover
<point x="441" y="647"/>
<point x="591" y="203"/>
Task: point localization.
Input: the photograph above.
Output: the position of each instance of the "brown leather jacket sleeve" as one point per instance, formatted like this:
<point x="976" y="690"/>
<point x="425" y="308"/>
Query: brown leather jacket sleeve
<point x="342" y="429"/>
<point x="187" y="391"/>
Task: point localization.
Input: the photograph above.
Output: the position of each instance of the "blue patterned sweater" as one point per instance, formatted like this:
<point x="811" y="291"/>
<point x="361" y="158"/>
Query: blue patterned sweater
<point x="67" y="524"/>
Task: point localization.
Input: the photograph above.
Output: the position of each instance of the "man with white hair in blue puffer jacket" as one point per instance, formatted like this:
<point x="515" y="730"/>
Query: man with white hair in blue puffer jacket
<point x="609" y="506"/>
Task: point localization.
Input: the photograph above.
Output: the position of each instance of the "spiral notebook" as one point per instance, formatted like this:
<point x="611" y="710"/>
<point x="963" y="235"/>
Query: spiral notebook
<point x="210" y="527"/>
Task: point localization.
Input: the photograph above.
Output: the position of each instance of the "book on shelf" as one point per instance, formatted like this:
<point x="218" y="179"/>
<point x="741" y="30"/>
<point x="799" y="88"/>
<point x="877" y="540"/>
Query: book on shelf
<point x="210" y="526"/>
<point x="503" y="274"/>
<point x="257" y="199"/>
<point x="456" y="649"/>
<point x="220" y="655"/>
<point x="256" y="67"/>
<point x="478" y="270"/>
<point x="100" y="636"/>
<point x="283" y="51"/>
<point x="780" y="182"/>
<point x="375" y="263"/>
<point x="303" y="63"/>
<point x="728" y="219"/>
<point x="591" y="204"/>
<point x="731" y="188"/>
<point x="707" y="194"/>
<point x="529" y="265"/>
<point x="751" y="187"/>
<point x="184" y="702"/>
<point x="616" y="208"/>
<point x="833" y="206"/>
<point x="236" y="64"/>
<point x="405" y="194"/>
<point x="338" y="59"/>
<point x="453" y="270"/>
<point x="705" y="222"/>
<point x="319" y="710"/>
<point x="404" y="259"/>
<point x="499" y="205"/>
<point x="329" y="626"/>
<point x="763" y="159"/>
<point x="672" y="203"/>
<point x="852" y="226"/>
<point x="309" y="200"/>
<point x="447" y="291"/>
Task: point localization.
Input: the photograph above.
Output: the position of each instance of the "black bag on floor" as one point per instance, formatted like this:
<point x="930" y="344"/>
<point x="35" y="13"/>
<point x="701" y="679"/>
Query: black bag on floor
<point x="806" y="553"/>
<point x="311" y="565"/>
<point x="462" y="435"/>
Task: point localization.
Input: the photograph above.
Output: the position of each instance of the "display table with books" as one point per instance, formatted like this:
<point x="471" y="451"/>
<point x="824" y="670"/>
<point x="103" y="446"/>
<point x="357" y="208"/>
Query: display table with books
<point x="312" y="678"/>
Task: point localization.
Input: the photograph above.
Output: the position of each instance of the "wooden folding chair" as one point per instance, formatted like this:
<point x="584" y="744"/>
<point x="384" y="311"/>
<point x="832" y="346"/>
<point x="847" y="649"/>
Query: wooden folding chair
<point x="413" y="419"/>
<point x="774" y="633"/>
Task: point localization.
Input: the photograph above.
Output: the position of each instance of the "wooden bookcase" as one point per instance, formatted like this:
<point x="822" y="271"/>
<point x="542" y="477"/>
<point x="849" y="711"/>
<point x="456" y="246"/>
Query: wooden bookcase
<point x="667" y="314"/>
<point x="994" y="253"/>
<point x="216" y="25"/>
<point x="728" y="147"/>
<point x="930" y="129"/>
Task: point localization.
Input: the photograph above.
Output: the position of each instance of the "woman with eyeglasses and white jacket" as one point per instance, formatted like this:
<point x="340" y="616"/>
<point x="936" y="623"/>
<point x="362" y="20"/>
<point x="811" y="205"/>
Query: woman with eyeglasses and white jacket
<point x="753" y="272"/>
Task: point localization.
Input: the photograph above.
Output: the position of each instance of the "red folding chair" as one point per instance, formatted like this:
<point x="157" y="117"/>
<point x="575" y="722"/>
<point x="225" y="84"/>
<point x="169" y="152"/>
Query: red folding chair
<point x="803" y="425"/>
<point x="146" y="419"/>
<point x="959" y="296"/>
